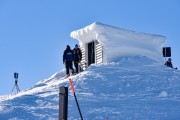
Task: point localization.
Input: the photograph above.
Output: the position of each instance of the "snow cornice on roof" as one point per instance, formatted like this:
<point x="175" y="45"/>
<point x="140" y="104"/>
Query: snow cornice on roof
<point x="121" y="42"/>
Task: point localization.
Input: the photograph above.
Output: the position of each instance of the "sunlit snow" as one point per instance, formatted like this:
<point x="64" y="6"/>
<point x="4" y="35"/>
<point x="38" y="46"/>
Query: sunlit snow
<point x="134" y="88"/>
<point x="137" y="86"/>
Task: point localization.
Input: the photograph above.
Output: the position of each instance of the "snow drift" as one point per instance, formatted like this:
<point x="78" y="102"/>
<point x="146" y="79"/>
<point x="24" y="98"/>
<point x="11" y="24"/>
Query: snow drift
<point x="135" y="88"/>
<point x="119" y="42"/>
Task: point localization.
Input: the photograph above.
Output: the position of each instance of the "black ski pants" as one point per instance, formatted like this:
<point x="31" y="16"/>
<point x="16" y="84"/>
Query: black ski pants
<point x="77" y="67"/>
<point x="69" y="67"/>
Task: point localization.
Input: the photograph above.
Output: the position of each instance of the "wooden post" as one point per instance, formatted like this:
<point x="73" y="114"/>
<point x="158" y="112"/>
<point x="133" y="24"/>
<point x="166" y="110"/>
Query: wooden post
<point x="63" y="103"/>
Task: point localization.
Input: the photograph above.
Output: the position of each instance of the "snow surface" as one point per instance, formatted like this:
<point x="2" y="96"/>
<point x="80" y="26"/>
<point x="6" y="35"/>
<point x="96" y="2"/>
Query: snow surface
<point x="120" y="42"/>
<point x="135" y="88"/>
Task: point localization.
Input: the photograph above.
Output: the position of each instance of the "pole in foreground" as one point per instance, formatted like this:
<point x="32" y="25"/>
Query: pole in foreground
<point x="63" y="103"/>
<point x="73" y="91"/>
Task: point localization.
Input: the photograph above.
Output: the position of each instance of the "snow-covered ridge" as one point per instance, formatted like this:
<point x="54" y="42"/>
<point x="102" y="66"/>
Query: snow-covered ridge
<point x="133" y="88"/>
<point x="119" y="42"/>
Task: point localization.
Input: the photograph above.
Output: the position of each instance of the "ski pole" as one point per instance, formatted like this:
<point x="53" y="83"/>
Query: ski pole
<point x="73" y="91"/>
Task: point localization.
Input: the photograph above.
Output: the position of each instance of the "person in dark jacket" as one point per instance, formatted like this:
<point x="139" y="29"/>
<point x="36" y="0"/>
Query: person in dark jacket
<point x="77" y="58"/>
<point x="169" y="63"/>
<point x="68" y="59"/>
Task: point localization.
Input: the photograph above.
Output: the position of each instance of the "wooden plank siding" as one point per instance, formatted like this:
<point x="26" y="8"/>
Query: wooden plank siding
<point x="98" y="52"/>
<point x="98" y="55"/>
<point x="83" y="61"/>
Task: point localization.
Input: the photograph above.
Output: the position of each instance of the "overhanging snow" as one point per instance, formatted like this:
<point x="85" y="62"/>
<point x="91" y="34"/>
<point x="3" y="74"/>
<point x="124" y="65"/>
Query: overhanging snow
<point x="119" y="42"/>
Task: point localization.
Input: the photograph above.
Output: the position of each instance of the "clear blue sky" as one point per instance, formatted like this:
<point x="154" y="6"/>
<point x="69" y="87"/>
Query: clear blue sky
<point x="34" y="33"/>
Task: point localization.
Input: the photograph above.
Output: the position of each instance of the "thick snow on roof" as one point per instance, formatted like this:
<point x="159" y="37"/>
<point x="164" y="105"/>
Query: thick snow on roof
<point x="119" y="42"/>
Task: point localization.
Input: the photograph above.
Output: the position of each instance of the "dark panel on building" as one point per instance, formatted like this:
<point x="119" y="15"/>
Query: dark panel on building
<point x="167" y="51"/>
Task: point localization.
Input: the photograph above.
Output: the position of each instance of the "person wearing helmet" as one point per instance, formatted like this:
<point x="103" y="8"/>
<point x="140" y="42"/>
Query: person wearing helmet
<point x="77" y="58"/>
<point x="169" y="63"/>
<point x="68" y="59"/>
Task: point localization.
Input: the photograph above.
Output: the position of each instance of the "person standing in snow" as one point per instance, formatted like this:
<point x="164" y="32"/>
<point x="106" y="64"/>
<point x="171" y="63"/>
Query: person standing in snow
<point x="169" y="63"/>
<point x="77" y="57"/>
<point x="68" y="59"/>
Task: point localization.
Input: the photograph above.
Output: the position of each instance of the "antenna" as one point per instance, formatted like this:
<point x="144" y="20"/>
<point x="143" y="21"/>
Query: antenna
<point x="16" y="83"/>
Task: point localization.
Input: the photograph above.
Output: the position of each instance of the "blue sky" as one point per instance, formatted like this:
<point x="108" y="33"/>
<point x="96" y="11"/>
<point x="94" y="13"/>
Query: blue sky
<point x="34" y="33"/>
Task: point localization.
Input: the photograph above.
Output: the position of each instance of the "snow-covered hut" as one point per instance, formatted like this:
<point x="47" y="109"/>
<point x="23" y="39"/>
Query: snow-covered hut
<point x="102" y="43"/>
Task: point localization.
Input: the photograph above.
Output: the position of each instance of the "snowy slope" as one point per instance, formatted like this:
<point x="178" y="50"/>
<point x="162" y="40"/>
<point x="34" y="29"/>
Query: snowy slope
<point x="135" y="88"/>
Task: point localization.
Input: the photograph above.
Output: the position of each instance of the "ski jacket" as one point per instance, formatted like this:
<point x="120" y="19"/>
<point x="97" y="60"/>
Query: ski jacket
<point x="68" y="55"/>
<point x="77" y="55"/>
<point x="169" y="64"/>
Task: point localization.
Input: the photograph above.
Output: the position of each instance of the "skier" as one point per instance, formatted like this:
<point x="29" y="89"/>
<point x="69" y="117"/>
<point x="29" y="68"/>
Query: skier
<point x="77" y="58"/>
<point x="68" y="59"/>
<point x="169" y="63"/>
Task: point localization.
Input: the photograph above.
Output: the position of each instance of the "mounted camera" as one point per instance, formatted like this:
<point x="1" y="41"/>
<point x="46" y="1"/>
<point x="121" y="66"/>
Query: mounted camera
<point x="16" y="83"/>
<point x="15" y="75"/>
